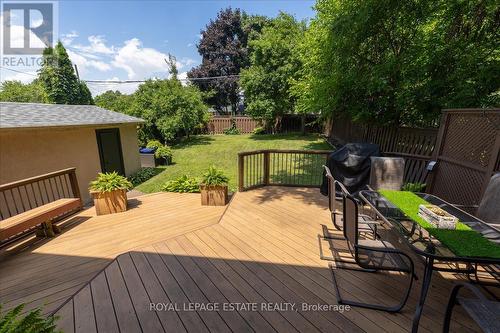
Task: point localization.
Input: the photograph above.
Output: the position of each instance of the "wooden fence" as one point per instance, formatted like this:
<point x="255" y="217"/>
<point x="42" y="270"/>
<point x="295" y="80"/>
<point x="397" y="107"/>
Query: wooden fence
<point x="289" y="123"/>
<point x="217" y="125"/>
<point x="415" y="145"/>
<point x="281" y="167"/>
<point x="21" y="196"/>
<point x="467" y="154"/>
<point x="466" y="147"/>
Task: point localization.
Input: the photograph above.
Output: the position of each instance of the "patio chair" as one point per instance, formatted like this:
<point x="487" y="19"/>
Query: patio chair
<point x="371" y="256"/>
<point x="386" y="173"/>
<point x="485" y="312"/>
<point x="367" y="224"/>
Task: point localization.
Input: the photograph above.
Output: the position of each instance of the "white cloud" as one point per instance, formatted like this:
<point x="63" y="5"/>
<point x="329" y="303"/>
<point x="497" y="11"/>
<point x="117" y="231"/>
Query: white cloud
<point x="84" y="64"/>
<point x="67" y="39"/>
<point x="140" y="62"/>
<point x="190" y="45"/>
<point x="97" y="45"/>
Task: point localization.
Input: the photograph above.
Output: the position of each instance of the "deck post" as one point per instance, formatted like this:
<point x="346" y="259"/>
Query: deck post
<point x="241" y="167"/>
<point x="74" y="184"/>
<point x="266" y="167"/>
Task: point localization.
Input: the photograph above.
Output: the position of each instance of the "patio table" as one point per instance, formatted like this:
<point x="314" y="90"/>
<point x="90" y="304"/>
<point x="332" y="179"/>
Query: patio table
<point x="426" y="245"/>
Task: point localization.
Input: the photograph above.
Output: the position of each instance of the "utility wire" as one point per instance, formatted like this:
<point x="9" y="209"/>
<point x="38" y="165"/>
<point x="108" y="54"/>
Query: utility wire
<point x="135" y="81"/>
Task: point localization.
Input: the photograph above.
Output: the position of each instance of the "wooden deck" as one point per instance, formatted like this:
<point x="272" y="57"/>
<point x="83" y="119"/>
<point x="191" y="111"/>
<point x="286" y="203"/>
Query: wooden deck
<point x="264" y="251"/>
<point x="47" y="272"/>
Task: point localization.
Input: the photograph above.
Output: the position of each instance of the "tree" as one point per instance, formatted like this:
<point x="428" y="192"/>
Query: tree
<point x="399" y="62"/>
<point x="224" y="53"/>
<point x="274" y="63"/>
<point x="16" y="91"/>
<point x="59" y="80"/>
<point x="115" y="101"/>
<point x="170" y="109"/>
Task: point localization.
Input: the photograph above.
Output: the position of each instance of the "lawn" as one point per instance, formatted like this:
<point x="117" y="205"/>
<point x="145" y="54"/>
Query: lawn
<point x="194" y="155"/>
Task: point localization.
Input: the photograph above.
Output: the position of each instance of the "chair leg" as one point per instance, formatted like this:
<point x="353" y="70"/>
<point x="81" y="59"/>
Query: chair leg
<point x="394" y="308"/>
<point x="449" y="308"/>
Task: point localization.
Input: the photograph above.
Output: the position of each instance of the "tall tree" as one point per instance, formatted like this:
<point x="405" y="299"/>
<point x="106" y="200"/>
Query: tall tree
<point x="223" y="50"/>
<point x="170" y="109"/>
<point x="399" y="62"/>
<point x="274" y="63"/>
<point x="59" y="80"/>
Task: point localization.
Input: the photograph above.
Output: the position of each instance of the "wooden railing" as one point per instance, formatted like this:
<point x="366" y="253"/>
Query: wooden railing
<point x="20" y="196"/>
<point x="280" y="167"/>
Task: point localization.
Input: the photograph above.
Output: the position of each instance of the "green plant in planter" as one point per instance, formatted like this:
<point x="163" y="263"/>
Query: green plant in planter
<point x="162" y="151"/>
<point x="33" y="322"/>
<point x="214" y="177"/>
<point x="413" y="187"/>
<point x="184" y="184"/>
<point x="107" y="182"/>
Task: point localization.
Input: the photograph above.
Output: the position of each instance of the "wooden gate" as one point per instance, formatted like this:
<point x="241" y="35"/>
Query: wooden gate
<point x="467" y="154"/>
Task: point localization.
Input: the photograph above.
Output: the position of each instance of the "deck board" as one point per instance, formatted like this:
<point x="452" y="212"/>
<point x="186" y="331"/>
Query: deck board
<point x="48" y="271"/>
<point x="264" y="250"/>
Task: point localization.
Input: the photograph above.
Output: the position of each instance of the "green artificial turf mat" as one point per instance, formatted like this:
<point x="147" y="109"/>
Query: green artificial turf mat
<point x="463" y="241"/>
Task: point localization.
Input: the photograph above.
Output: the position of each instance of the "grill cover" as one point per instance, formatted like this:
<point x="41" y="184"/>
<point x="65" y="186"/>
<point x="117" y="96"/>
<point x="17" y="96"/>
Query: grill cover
<point x="351" y="166"/>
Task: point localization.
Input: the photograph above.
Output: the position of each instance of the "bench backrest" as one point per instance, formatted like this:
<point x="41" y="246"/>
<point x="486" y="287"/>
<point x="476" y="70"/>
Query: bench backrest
<point x="20" y="196"/>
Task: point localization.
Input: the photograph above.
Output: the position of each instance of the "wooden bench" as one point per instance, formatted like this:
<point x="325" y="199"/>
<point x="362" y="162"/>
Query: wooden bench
<point x="37" y="202"/>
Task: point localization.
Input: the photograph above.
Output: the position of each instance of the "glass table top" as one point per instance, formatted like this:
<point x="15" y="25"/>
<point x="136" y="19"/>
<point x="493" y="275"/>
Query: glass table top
<point x="417" y="236"/>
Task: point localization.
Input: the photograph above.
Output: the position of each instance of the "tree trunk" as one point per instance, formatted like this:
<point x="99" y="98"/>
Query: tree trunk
<point x="303" y="124"/>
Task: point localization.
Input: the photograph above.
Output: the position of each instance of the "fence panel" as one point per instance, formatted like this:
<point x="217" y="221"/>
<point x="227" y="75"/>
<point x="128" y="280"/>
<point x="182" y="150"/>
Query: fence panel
<point x="415" y="145"/>
<point x="467" y="156"/>
<point x="281" y="167"/>
<point x="246" y="125"/>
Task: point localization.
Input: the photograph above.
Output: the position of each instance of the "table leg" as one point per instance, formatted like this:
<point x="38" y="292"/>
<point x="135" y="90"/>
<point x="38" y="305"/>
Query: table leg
<point x="426" y="283"/>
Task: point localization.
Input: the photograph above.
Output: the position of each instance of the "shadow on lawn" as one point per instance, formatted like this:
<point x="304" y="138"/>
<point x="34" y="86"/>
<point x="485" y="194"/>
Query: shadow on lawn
<point x="313" y="144"/>
<point x="194" y="141"/>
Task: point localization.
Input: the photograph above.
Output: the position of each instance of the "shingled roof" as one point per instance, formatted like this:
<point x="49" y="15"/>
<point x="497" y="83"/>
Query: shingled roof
<point x="24" y="115"/>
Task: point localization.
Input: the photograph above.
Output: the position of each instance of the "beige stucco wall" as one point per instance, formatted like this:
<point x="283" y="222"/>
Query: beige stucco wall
<point x="31" y="152"/>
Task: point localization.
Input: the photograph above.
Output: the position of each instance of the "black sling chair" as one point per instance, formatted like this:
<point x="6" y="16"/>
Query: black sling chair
<point x="371" y="256"/>
<point x="367" y="224"/>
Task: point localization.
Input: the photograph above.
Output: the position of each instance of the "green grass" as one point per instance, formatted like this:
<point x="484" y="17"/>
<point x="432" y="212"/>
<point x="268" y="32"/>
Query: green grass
<point x="463" y="241"/>
<point x="193" y="156"/>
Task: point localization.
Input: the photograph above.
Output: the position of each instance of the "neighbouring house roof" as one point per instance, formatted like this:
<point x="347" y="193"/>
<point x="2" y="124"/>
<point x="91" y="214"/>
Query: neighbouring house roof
<point x="26" y="115"/>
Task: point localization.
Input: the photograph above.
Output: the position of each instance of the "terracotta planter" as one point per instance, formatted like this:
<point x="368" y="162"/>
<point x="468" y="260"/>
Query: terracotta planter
<point x="213" y="195"/>
<point x="110" y="202"/>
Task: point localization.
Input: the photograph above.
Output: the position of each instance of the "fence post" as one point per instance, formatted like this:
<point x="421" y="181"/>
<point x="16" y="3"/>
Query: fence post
<point x="241" y="167"/>
<point x="266" y="167"/>
<point x="74" y="184"/>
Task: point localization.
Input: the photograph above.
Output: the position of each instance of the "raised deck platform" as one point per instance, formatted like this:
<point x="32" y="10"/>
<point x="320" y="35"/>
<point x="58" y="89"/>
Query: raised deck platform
<point x="263" y="251"/>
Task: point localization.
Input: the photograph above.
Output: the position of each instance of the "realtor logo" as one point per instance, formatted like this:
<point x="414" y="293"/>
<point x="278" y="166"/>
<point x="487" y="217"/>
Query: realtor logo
<point x="28" y="27"/>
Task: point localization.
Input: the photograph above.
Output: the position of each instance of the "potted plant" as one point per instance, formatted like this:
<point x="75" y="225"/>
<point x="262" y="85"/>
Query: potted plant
<point x="109" y="191"/>
<point x="162" y="153"/>
<point x="213" y="188"/>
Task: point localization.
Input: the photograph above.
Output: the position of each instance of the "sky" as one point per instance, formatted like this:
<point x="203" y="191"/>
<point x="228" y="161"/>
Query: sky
<point x="129" y="40"/>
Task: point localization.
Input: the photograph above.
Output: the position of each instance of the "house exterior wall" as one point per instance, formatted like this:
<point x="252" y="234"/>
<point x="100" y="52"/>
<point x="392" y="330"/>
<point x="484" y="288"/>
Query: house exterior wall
<point x="30" y="152"/>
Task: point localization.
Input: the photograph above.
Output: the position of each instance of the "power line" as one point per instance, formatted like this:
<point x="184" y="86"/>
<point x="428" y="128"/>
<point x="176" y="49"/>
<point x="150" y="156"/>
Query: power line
<point x="134" y="81"/>
<point x="17" y="71"/>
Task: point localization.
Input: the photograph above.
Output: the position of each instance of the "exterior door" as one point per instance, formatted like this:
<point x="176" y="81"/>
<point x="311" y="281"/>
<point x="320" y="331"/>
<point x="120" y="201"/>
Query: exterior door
<point x="110" y="150"/>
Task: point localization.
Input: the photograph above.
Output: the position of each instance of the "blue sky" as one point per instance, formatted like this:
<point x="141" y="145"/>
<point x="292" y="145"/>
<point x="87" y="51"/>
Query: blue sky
<point x="111" y="40"/>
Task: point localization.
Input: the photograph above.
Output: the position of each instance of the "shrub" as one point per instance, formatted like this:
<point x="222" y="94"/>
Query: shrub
<point x="232" y="131"/>
<point x="182" y="184"/>
<point x="259" y="130"/>
<point x="142" y="175"/>
<point x="413" y="187"/>
<point x="214" y="176"/>
<point x="107" y="182"/>
<point x="33" y="322"/>
<point x="162" y="151"/>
